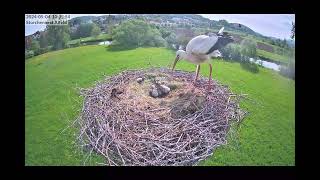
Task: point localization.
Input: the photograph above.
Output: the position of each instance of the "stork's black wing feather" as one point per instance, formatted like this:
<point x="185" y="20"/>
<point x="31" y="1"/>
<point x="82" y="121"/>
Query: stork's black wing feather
<point x="213" y="48"/>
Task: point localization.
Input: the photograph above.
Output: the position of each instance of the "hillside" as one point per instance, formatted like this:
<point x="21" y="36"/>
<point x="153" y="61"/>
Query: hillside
<point x="173" y="19"/>
<point x="186" y="26"/>
<point x="187" y="22"/>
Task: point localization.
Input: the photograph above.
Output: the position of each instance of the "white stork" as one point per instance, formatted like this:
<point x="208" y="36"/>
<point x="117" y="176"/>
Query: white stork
<point x="202" y="48"/>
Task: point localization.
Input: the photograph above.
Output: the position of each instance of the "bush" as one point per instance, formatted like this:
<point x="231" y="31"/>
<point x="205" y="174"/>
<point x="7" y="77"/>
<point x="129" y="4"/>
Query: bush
<point x="43" y="50"/>
<point x="28" y="54"/>
<point x="234" y="52"/>
<point x="250" y="66"/>
<point x="137" y="33"/>
<point x="77" y="44"/>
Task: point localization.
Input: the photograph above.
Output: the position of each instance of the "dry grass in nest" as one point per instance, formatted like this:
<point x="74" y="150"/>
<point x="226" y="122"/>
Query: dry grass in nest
<point x="120" y="121"/>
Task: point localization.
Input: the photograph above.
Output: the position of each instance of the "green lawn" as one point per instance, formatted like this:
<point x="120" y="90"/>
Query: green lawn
<point x="266" y="136"/>
<point x="273" y="56"/>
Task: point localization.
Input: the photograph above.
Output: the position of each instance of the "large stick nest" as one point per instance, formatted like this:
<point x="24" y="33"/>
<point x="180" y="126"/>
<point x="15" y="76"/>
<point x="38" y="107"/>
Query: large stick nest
<point x="120" y="121"/>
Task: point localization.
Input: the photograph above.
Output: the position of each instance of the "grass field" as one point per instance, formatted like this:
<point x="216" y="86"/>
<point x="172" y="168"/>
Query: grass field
<point x="266" y="136"/>
<point x="273" y="56"/>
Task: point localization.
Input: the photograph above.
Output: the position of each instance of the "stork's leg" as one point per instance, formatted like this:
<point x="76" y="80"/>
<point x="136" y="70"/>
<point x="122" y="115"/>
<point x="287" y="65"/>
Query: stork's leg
<point x="197" y="73"/>
<point x="210" y="76"/>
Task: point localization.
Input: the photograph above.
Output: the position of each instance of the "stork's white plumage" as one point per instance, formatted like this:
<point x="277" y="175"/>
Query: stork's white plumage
<point x="202" y="48"/>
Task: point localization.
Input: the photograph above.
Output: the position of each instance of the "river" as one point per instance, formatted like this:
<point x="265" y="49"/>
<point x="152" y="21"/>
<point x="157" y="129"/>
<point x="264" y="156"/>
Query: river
<point x="266" y="64"/>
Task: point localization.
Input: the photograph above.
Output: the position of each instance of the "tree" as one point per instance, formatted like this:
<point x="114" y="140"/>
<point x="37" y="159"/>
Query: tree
<point x="183" y="40"/>
<point x="84" y="30"/>
<point x="164" y="33"/>
<point x="172" y="39"/>
<point x="248" y="48"/>
<point x="235" y="52"/>
<point x="232" y="52"/>
<point x="284" y="43"/>
<point x="135" y="33"/>
<point x="43" y="40"/>
<point x="95" y="30"/>
<point x="35" y="45"/>
<point x="226" y="51"/>
<point x="58" y="36"/>
<point x="293" y="30"/>
<point x="223" y="22"/>
<point x="28" y="42"/>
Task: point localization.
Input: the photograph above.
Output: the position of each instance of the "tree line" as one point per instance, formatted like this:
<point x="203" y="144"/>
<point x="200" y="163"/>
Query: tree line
<point x="57" y="37"/>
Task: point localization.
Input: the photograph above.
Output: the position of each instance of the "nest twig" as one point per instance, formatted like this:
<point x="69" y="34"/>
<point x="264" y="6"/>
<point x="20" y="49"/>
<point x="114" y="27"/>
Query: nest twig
<point x="127" y="134"/>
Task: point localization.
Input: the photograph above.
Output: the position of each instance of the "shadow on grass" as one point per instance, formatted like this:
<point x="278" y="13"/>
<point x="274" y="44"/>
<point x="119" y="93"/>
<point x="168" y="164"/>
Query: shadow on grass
<point x="250" y="66"/>
<point x="119" y="48"/>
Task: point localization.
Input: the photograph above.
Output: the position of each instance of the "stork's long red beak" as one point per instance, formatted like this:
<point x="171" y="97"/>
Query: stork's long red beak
<point x="175" y="62"/>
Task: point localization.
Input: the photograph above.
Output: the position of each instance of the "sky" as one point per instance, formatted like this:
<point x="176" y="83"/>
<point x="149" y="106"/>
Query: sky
<point x="275" y="25"/>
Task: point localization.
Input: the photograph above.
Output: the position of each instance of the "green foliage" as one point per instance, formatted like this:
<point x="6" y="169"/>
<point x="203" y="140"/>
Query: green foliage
<point x="44" y="50"/>
<point x="172" y="39"/>
<point x="58" y="36"/>
<point x="28" y="54"/>
<point x="272" y="56"/>
<point x="137" y="33"/>
<point x="27" y="43"/>
<point x="183" y="40"/>
<point x="164" y="33"/>
<point x="289" y="70"/>
<point x="293" y="30"/>
<point x="242" y="53"/>
<point x="250" y="66"/>
<point x="95" y="30"/>
<point x="43" y="40"/>
<point x="223" y="22"/>
<point x="110" y="29"/>
<point x="280" y="43"/>
<point x="86" y="30"/>
<point x="249" y="48"/>
<point x="35" y="45"/>
<point x="232" y="52"/>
